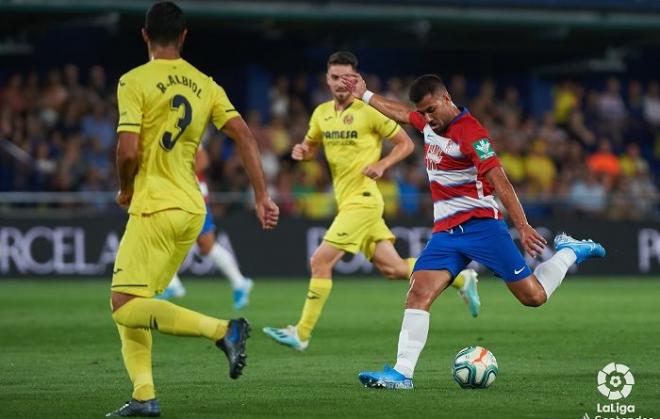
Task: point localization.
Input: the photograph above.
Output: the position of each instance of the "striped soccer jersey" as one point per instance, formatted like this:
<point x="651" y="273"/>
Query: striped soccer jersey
<point x="456" y="164"/>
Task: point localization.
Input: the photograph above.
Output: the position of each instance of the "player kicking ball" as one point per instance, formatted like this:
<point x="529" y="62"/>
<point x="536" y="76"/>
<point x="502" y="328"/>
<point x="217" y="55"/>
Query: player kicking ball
<point x="208" y="247"/>
<point x="351" y="134"/>
<point x="464" y="175"/>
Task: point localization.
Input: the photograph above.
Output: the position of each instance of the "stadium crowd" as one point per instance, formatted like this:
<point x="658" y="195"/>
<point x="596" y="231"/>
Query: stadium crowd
<point x="594" y="152"/>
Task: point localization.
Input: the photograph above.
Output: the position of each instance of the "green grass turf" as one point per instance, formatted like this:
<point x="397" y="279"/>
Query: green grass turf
<point x="60" y="353"/>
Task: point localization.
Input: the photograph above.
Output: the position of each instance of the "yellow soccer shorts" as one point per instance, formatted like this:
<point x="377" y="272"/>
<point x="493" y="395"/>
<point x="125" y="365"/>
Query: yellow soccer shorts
<point x="358" y="229"/>
<point x="152" y="250"/>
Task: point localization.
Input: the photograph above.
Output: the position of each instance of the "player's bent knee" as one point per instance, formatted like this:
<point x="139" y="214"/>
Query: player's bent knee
<point x="534" y="300"/>
<point x="320" y="267"/>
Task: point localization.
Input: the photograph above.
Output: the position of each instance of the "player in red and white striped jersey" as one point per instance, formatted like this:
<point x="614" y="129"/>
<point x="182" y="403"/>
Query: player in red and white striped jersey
<point x="464" y="174"/>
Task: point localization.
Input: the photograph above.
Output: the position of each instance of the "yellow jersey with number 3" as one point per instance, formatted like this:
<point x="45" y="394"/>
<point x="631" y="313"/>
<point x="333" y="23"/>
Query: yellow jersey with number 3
<point x="352" y="140"/>
<point x="169" y="104"/>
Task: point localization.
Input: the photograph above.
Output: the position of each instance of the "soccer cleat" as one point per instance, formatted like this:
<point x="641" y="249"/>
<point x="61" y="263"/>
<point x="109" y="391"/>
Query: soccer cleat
<point x="388" y="378"/>
<point x="469" y="291"/>
<point x="583" y="249"/>
<point x="148" y="408"/>
<point x="241" y="295"/>
<point x="287" y="336"/>
<point x="172" y="292"/>
<point x="233" y="345"/>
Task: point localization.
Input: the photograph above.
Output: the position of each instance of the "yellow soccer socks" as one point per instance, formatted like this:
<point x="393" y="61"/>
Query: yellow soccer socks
<point x="318" y="293"/>
<point x="136" y="351"/>
<point x="168" y="318"/>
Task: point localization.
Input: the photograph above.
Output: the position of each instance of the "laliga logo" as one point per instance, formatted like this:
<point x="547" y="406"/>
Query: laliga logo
<point x="615" y="381"/>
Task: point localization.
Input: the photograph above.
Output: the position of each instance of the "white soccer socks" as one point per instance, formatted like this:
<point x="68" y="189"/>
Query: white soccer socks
<point x="551" y="272"/>
<point x="226" y="262"/>
<point x="414" y="331"/>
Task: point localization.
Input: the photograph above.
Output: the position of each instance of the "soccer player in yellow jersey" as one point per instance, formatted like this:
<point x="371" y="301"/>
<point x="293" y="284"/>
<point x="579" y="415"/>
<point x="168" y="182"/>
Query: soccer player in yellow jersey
<point x="164" y="107"/>
<point x="351" y="134"/>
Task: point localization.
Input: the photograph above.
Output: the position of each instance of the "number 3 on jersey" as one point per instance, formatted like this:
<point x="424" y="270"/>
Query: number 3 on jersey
<point x="167" y="142"/>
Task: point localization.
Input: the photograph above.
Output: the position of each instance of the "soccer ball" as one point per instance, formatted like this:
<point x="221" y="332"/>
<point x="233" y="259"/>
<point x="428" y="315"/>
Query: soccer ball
<point x="474" y="367"/>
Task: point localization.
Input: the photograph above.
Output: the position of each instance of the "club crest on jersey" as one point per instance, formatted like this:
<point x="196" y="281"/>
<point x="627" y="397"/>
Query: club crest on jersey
<point x="433" y="156"/>
<point x="483" y="149"/>
<point x="348" y="119"/>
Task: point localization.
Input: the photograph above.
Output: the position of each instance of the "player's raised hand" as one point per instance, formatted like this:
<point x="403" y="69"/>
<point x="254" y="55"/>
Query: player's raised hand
<point x="123" y="198"/>
<point x="532" y="242"/>
<point x="373" y="171"/>
<point x="355" y="84"/>
<point x="268" y="213"/>
<point x="299" y="151"/>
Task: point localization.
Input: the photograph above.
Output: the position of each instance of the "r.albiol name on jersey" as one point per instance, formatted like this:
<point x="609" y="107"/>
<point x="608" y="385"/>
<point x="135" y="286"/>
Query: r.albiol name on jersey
<point x="174" y="79"/>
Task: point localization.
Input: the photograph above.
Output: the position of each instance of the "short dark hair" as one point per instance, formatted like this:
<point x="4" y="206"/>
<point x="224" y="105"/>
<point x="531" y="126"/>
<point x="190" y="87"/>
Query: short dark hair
<point x="423" y="85"/>
<point x="343" y="58"/>
<point x="164" y="22"/>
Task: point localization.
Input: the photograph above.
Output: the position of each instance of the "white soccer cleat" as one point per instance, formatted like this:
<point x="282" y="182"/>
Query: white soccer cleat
<point x="469" y="292"/>
<point x="287" y="336"/>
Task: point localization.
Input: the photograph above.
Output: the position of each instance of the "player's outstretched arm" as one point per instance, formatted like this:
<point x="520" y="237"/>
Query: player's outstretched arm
<point x="127" y="165"/>
<point x="393" y="109"/>
<point x="237" y="130"/>
<point x="531" y="240"/>
<point x="306" y="150"/>
<point x="403" y="147"/>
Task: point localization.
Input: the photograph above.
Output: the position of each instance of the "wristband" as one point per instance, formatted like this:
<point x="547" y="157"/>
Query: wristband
<point x="366" y="97"/>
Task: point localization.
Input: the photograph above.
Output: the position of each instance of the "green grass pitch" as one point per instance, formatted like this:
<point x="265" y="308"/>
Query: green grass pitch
<point x="60" y="352"/>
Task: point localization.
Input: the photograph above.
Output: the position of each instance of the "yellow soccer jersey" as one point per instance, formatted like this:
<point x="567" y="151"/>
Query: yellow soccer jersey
<point x="169" y="103"/>
<point x="352" y="140"/>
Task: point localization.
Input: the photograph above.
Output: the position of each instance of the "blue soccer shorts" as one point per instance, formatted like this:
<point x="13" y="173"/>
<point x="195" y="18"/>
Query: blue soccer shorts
<point x="209" y="225"/>
<point x="485" y="240"/>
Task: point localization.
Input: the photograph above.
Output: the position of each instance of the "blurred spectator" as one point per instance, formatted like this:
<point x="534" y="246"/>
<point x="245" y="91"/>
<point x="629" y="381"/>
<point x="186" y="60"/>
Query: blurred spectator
<point x="603" y="161"/>
<point x="279" y="137"/>
<point x="514" y="163"/>
<point x="631" y="162"/>
<point x="612" y="110"/>
<point x="99" y="125"/>
<point x="540" y="170"/>
<point x="565" y="102"/>
<point x="651" y="104"/>
<point x="279" y="97"/>
<point x="588" y="195"/>
<point x="510" y="104"/>
<point x="12" y="95"/>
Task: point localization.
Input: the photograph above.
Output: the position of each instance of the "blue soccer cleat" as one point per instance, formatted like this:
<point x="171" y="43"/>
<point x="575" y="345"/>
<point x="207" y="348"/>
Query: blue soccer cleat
<point x="233" y="345"/>
<point x="583" y="249"/>
<point x="388" y="378"/>
<point x="148" y="408"/>
<point x="241" y="295"/>
<point x="287" y="336"/>
<point x="469" y="291"/>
